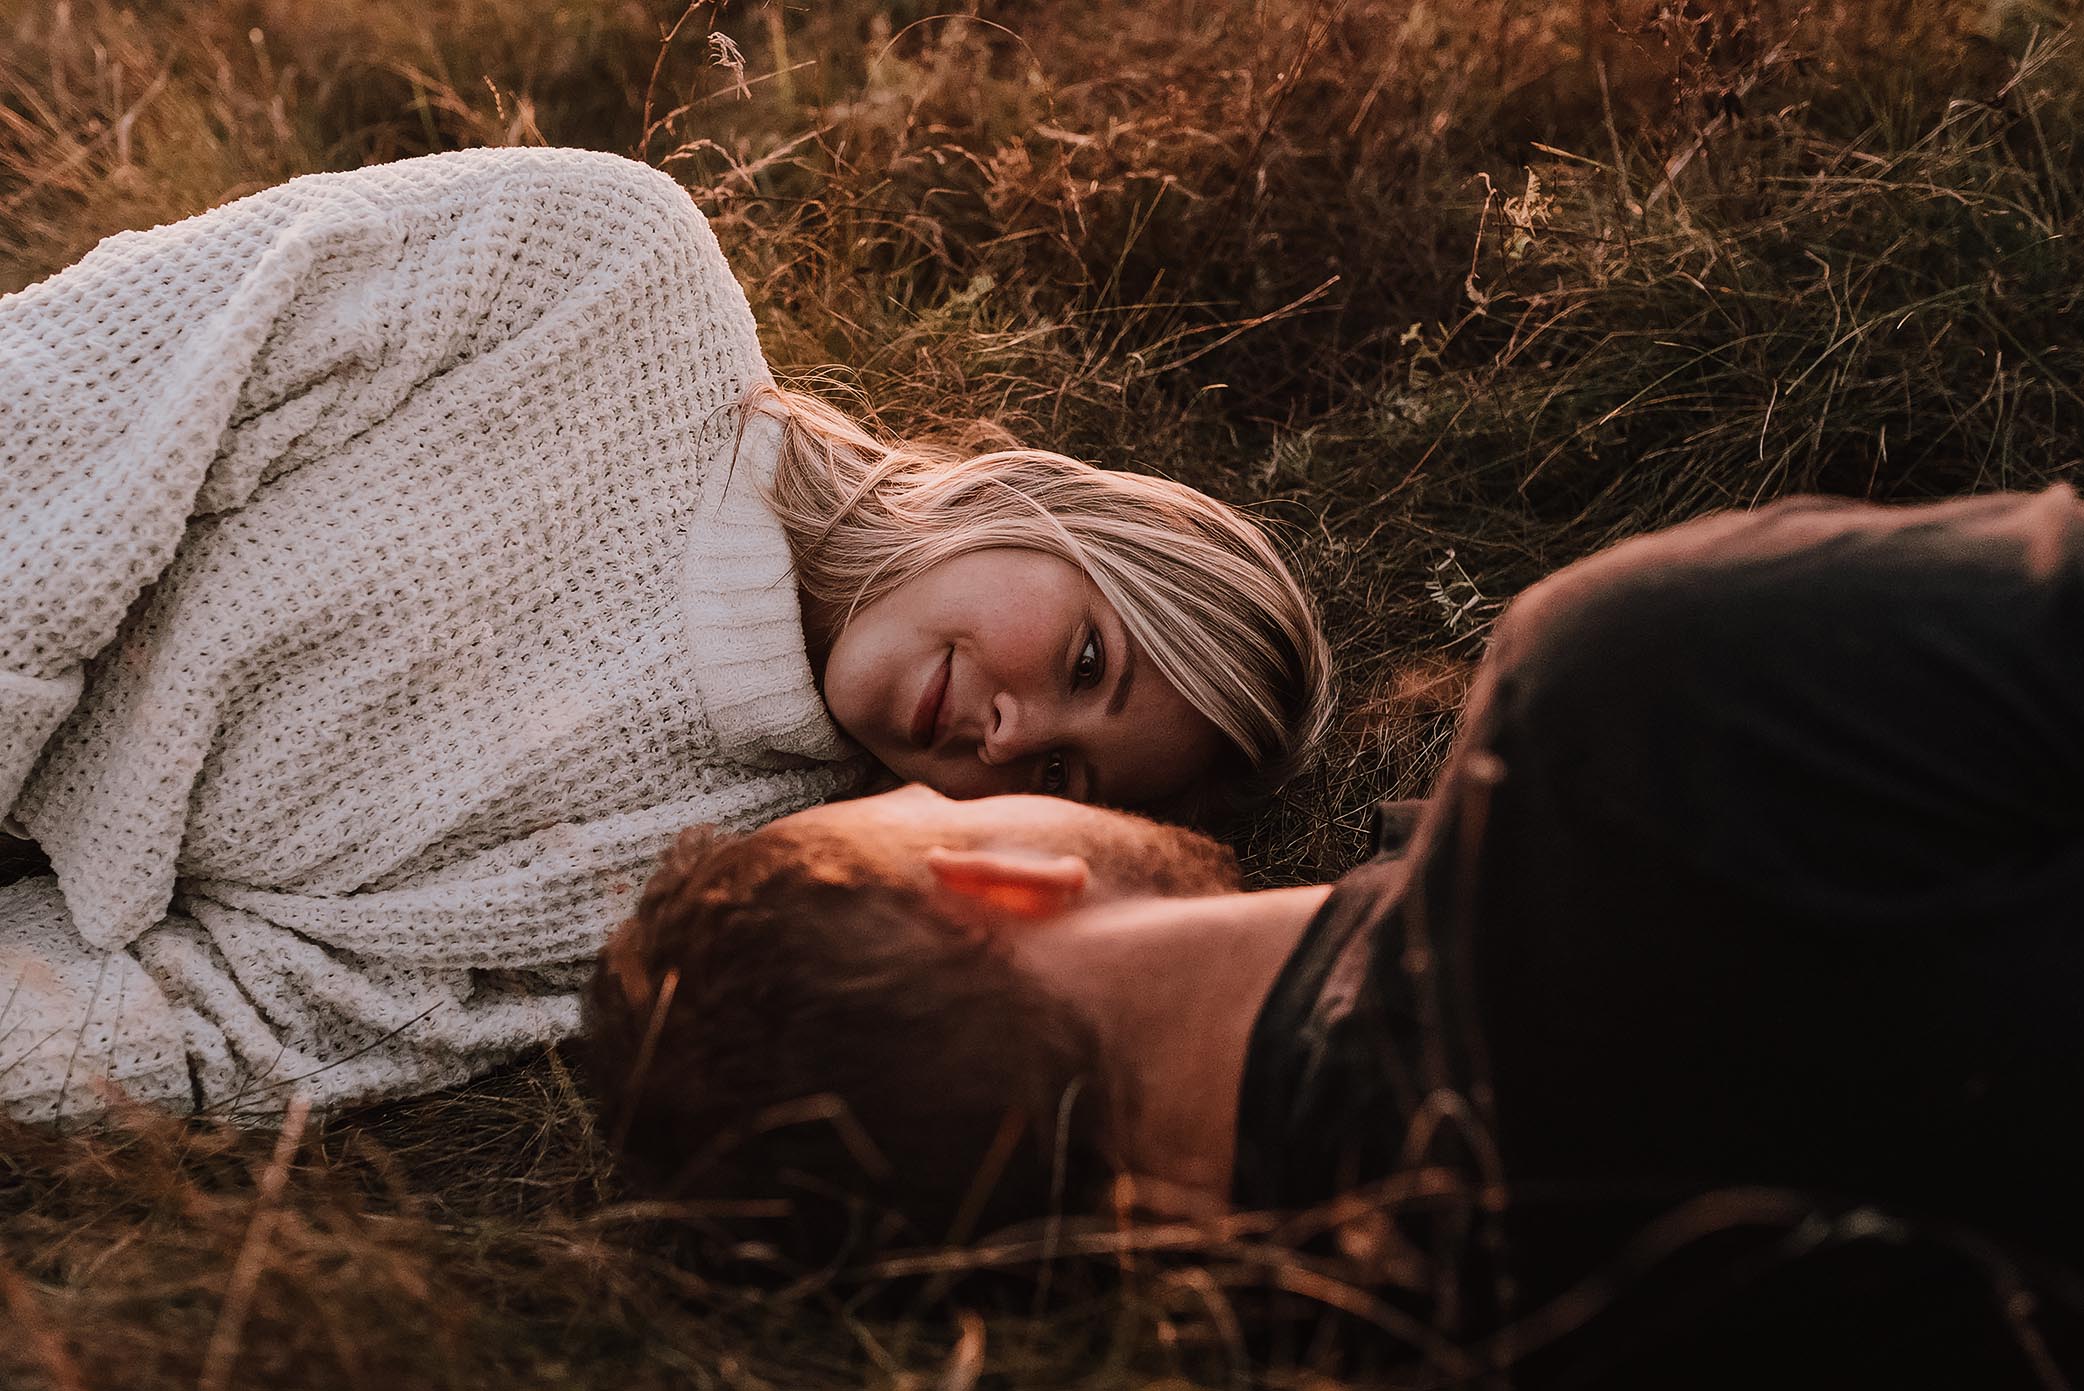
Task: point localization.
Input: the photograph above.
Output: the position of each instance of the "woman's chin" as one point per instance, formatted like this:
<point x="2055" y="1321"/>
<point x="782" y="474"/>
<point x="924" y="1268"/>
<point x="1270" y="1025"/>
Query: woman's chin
<point x="952" y="781"/>
<point x="902" y="767"/>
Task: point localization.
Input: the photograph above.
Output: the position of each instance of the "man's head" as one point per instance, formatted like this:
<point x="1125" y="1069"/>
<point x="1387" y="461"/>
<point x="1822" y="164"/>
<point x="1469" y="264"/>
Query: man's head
<point x="830" y="1008"/>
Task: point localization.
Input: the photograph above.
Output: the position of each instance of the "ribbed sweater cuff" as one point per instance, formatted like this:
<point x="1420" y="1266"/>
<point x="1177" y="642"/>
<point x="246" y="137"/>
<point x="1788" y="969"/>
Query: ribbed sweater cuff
<point x="31" y="709"/>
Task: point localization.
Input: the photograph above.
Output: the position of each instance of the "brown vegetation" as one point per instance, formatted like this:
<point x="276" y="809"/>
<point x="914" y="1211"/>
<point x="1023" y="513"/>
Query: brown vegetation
<point x="1453" y="293"/>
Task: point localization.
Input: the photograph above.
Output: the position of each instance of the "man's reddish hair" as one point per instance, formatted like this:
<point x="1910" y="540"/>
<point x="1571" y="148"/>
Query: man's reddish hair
<point x="780" y="1021"/>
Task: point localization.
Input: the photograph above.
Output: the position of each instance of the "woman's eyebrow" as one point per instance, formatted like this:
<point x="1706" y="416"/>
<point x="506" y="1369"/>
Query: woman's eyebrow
<point x="1126" y="675"/>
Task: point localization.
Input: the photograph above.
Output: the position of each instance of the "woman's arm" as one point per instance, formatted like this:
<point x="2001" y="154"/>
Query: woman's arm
<point x="549" y="898"/>
<point x="248" y="995"/>
<point x="173" y="372"/>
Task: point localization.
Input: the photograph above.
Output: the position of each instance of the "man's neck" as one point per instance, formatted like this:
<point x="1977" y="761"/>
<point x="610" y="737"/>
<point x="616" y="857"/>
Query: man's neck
<point x="1173" y="986"/>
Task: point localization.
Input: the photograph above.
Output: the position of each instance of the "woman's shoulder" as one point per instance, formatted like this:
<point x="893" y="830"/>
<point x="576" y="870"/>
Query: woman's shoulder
<point x="607" y="183"/>
<point x="588" y="198"/>
<point x="588" y="195"/>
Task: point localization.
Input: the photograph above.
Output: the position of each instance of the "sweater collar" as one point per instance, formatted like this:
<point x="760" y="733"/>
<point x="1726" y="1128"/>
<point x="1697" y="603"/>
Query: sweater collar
<point x="745" y="628"/>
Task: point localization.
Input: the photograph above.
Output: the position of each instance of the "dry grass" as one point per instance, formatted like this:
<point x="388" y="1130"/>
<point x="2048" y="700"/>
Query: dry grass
<point x="1452" y="293"/>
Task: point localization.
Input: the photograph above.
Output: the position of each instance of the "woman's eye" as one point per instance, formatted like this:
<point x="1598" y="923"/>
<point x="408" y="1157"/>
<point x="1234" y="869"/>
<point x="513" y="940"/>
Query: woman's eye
<point x="1089" y="664"/>
<point x="1056" y="775"/>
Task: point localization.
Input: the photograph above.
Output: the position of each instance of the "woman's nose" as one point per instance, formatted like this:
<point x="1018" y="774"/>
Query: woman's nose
<point x="1010" y="732"/>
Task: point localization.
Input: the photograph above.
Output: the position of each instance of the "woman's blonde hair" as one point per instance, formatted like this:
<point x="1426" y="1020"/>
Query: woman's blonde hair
<point x="1198" y="585"/>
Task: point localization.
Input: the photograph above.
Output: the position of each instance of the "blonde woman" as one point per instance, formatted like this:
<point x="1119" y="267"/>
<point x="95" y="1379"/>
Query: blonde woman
<point x="394" y="561"/>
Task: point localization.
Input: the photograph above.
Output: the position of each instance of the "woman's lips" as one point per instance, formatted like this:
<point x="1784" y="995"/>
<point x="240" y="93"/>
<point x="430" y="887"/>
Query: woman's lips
<point x="926" y="715"/>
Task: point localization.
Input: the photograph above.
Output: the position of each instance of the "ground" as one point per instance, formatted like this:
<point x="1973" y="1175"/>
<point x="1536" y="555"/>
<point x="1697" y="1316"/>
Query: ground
<point x="1450" y="294"/>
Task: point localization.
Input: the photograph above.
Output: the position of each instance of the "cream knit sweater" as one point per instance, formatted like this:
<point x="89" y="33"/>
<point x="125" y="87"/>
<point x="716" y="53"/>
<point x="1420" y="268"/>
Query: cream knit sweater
<point x="380" y="590"/>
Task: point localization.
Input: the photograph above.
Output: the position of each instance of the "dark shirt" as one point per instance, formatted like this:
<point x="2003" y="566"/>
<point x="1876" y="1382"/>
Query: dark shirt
<point x="1330" y="1082"/>
<point x="1358" y="1038"/>
<point x="1753" y="898"/>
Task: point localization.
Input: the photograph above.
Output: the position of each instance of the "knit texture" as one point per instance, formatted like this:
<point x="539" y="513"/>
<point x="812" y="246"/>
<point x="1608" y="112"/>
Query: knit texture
<point x="385" y="582"/>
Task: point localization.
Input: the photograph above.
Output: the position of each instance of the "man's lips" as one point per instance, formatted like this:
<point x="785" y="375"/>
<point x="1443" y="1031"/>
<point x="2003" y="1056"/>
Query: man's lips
<point x="926" y="716"/>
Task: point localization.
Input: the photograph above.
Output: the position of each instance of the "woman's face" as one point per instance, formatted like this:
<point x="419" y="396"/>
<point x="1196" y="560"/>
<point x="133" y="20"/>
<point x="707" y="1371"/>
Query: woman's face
<point x="1005" y="670"/>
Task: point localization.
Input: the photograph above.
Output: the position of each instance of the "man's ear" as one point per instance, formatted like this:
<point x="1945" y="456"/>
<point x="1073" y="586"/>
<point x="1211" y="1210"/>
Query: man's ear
<point x="1017" y="886"/>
